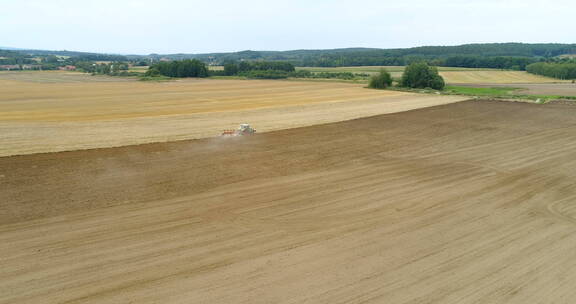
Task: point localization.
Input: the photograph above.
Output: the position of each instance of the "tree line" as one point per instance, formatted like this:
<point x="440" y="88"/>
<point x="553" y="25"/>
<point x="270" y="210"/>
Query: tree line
<point x="197" y="68"/>
<point x="44" y="60"/>
<point x="248" y="69"/>
<point x="507" y="63"/>
<point x="112" y="68"/>
<point x="183" y="68"/>
<point x="464" y="61"/>
<point x="279" y="69"/>
<point x="244" y="67"/>
<point x="10" y="57"/>
<point x="560" y="70"/>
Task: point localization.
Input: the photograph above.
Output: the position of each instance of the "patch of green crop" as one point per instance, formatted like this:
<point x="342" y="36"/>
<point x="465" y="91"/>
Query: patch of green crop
<point x="499" y="91"/>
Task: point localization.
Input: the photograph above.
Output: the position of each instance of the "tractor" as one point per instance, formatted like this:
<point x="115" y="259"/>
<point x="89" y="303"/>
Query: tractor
<point x="243" y="129"/>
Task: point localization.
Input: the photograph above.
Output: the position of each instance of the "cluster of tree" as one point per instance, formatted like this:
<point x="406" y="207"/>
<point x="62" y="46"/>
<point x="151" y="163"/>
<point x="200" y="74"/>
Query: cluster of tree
<point x="29" y="62"/>
<point x="37" y="62"/>
<point x="233" y="68"/>
<point x="112" y="68"/>
<point x="53" y="60"/>
<point x="79" y="56"/>
<point x="259" y="69"/>
<point x="266" y="66"/>
<point x="266" y="74"/>
<point x="560" y="70"/>
<point x="12" y="57"/>
<point x="183" y="68"/>
<point x="278" y="70"/>
<point x="380" y="81"/>
<point x="421" y="75"/>
<point x="101" y="57"/>
<point x="329" y="75"/>
<point x="418" y="75"/>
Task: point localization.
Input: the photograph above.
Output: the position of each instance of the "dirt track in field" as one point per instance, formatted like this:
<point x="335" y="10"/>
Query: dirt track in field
<point x="51" y="117"/>
<point x="473" y="202"/>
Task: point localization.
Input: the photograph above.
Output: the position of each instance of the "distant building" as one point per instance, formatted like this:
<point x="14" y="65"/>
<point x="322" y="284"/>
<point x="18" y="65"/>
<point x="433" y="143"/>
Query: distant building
<point x="15" y="67"/>
<point x="67" y="68"/>
<point x="9" y="67"/>
<point x="31" y="67"/>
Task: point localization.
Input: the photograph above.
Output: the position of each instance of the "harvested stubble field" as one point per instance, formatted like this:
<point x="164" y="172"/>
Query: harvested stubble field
<point x="471" y="202"/>
<point x="494" y="76"/>
<point x="72" y="114"/>
<point x="453" y="75"/>
<point x="55" y="77"/>
<point x="376" y="69"/>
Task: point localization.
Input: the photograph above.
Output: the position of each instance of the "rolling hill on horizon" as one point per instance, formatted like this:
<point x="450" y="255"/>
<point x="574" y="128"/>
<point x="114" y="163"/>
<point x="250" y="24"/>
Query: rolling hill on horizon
<point x="523" y="53"/>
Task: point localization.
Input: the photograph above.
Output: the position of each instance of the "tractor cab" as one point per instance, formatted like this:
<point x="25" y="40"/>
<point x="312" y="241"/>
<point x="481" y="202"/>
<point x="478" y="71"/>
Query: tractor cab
<point x="246" y="129"/>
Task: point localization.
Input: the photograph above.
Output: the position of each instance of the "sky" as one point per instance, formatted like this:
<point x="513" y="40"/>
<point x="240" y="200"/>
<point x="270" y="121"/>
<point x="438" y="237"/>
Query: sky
<point x="191" y="26"/>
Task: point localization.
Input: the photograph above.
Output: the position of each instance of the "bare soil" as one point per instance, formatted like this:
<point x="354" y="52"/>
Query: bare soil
<point x="472" y="202"/>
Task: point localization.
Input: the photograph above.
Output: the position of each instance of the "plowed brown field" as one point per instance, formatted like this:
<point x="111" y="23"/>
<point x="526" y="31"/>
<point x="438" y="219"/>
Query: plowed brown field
<point x="473" y="202"/>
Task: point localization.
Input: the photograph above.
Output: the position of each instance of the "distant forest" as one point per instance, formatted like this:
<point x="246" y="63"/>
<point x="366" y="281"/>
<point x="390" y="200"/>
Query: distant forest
<point x="52" y="60"/>
<point x="513" y="56"/>
<point x="560" y="70"/>
<point x="494" y="55"/>
<point x="12" y="57"/>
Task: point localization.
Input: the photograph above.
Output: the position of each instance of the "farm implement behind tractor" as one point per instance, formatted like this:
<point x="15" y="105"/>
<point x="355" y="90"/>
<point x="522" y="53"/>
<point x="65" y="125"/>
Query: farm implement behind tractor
<point x="243" y="129"/>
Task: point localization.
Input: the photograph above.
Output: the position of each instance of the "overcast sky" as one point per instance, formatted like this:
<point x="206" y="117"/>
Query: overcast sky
<point x="191" y="26"/>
